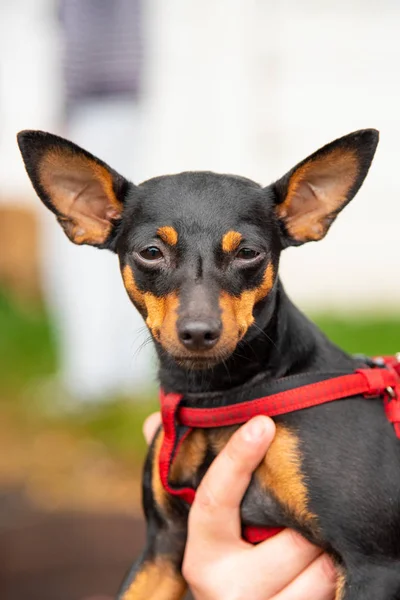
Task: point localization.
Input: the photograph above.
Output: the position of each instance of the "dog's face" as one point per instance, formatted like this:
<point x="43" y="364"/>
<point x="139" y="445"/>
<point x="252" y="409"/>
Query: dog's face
<point x="199" y="252"/>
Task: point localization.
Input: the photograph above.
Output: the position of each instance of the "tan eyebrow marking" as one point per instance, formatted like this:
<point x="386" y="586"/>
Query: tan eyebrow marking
<point x="168" y="235"/>
<point x="231" y="241"/>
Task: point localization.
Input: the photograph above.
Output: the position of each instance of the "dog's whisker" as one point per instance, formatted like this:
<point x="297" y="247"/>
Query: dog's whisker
<point x="241" y="356"/>
<point x="227" y="370"/>
<point x="266" y="335"/>
<point x="143" y="345"/>
<point x="245" y="342"/>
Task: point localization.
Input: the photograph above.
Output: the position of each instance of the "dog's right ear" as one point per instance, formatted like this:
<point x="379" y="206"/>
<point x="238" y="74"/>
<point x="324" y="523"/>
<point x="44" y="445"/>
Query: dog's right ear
<point x="85" y="194"/>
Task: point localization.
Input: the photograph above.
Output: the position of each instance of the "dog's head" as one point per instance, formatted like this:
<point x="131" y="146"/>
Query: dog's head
<point x="199" y="251"/>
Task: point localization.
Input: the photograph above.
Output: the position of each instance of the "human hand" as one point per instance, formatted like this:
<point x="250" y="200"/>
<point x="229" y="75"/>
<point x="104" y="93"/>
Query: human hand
<point x="218" y="563"/>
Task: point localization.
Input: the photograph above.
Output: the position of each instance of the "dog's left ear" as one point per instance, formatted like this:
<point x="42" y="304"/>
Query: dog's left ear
<point x="84" y="193"/>
<point x="311" y="195"/>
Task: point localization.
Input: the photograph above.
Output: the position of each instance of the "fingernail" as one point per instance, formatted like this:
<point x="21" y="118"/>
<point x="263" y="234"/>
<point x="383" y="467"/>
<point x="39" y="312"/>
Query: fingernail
<point x="255" y="430"/>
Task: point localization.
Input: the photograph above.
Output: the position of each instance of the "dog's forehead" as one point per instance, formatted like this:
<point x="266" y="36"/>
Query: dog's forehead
<point x="197" y="193"/>
<point x="200" y="197"/>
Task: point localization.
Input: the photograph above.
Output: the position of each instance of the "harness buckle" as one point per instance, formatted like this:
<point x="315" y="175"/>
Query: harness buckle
<point x="392" y="400"/>
<point x="378" y="361"/>
<point x="376" y="383"/>
<point x="392" y="408"/>
<point x="391" y="393"/>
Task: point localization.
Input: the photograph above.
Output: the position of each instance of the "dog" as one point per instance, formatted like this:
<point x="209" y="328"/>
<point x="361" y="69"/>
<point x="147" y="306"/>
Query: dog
<point x="199" y="256"/>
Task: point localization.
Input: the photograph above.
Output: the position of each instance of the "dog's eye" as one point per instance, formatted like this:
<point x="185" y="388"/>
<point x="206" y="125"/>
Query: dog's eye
<point x="151" y="253"/>
<point x="247" y="254"/>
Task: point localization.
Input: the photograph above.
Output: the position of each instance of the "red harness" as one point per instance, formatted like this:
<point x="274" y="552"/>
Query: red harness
<point x="382" y="379"/>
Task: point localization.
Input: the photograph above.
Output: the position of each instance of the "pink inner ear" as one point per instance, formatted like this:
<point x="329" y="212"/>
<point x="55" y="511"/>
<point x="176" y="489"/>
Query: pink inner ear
<point x="317" y="190"/>
<point x="82" y="192"/>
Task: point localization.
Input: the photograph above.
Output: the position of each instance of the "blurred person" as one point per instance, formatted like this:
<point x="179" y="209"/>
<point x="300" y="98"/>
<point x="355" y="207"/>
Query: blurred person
<point x="99" y="333"/>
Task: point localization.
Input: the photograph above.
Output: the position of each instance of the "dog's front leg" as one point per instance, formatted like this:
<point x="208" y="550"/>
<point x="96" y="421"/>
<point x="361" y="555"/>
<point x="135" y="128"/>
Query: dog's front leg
<point x="153" y="578"/>
<point x="156" y="575"/>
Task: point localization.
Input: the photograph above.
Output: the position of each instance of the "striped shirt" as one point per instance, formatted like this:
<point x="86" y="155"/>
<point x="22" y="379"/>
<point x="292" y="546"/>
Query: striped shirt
<point x="102" y="47"/>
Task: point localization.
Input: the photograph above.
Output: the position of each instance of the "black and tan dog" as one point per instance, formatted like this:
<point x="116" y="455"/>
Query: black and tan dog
<point x="199" y="255"/>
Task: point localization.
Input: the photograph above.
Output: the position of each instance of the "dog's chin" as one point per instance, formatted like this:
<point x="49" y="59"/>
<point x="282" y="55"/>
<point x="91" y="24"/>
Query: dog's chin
<point x="198" y="363"/>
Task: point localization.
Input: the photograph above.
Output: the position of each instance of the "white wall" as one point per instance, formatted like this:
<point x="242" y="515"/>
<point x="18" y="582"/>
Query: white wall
<point x="339" y="72"/>
<point x="30" y="85"/>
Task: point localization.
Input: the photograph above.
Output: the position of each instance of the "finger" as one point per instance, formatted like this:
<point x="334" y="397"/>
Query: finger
<point x="150" y="426"/>
<point x="215" y="509"/>
<point x="318" y="582"/>
<point x="289" y="553"/>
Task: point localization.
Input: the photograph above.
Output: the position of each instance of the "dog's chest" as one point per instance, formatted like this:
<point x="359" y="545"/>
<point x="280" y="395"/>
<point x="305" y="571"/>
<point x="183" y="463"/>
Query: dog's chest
<point x="278" y="483"/>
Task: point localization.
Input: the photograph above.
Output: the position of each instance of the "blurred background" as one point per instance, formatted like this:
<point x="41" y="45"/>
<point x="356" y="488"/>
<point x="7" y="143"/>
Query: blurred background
<point x="152" y="87"/>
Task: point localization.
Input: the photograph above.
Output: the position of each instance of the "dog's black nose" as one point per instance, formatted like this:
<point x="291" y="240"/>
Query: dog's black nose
<point x="199" y="335"/>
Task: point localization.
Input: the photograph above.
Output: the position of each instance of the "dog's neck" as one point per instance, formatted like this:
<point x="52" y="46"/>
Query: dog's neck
<point x="282" y="342"/>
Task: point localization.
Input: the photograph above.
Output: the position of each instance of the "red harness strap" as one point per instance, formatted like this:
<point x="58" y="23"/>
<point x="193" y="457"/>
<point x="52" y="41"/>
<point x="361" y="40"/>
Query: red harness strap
<point x="370" y="382"/>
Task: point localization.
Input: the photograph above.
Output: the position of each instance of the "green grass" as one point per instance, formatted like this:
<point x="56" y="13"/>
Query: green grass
<point x="372" y="334"/>
<point x="27" y="346"/>
<point x="28" y="355"/>
<point x="117" y="423"/>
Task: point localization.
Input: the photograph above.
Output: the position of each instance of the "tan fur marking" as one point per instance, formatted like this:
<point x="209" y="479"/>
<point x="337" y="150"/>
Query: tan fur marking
<point x="160" y="495"/>
<point x="160" y="312"/>
<point x="280" y="473"/>
<point x="167" y="329"/>
<point x="231" y="241"/>
<point x="237" y="312"/>
<point x="340" y="583"/>
<point x="82" y="192"/>
<point x="133" y="291"/>
<point x="190" y="456"/>
<point x="168" y="235"/>
<point x="156" y="308"/>
<point x="106" y="180"/>
<point x="156" y="580"/>
<point x="219" y="437"/>
<point x="316" y="191"/>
